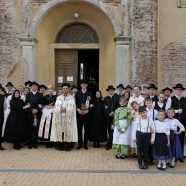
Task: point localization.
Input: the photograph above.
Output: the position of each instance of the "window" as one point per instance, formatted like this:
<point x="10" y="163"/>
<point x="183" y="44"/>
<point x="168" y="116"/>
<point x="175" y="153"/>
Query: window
<point x="181" y="3"/>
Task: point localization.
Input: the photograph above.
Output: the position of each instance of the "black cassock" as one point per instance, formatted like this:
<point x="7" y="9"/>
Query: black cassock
<point x="16" y="128"/>
<point x="98" y="130"/>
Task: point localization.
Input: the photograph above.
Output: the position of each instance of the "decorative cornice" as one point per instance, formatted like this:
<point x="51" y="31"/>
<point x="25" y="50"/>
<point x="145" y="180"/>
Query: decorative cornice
<point x="122" y="40"/>
<point x="27" y="41"/>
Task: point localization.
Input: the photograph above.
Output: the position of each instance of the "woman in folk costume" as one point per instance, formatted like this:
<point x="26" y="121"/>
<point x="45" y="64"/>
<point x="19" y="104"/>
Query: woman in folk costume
<point x="47" y="112"/>
<point x="15" y="130"/>
<point x="98" y="129"/>
<point x="7" y="110"/>
<point x="174" y="125"/>
<point x="135" y="114"/>
<point x="121" y="136"/>
<point x="64" y="122"/>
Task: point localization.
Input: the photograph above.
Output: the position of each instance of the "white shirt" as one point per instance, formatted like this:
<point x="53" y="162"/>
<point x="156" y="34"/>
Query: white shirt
<point x="162" y="127"/>
<point x="174" y="123"/>
<point x="140" y="100"/>
<point x="152" y="115"/>
<point x="144" y="126"/>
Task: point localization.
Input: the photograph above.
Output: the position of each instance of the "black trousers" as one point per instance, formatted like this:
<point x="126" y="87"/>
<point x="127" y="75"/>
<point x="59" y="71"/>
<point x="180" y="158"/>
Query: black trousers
<point x="110" y="131"/>
<point x="83" y="121"/>
<point x="143" y="145"/>
<point x="33" y="130"/>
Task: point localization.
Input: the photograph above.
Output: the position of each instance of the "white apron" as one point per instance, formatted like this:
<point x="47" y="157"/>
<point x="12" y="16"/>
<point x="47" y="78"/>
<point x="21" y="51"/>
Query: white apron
<point x="122" y="138"/>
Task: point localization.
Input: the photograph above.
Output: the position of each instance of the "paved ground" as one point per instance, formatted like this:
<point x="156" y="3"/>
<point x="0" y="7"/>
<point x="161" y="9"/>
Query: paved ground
<point x="95" y="167"/>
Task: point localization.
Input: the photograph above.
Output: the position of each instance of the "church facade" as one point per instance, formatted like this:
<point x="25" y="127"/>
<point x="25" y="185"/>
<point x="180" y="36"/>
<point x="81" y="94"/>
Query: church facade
<point x="104" y="41"/>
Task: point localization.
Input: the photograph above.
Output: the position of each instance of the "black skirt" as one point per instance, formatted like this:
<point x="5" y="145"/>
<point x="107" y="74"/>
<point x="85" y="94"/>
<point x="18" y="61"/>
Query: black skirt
<point x="161" y="148"/>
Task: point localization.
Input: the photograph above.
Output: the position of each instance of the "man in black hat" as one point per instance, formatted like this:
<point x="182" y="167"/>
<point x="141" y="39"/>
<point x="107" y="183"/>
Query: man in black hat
<point x="111" y="104"/>
<point x="42" y="89"/>
<point x="167" y="93"/>
<point x="120" y="89"/>
<point x="35" y="100"/>
<point x="27" y="83"/>
<point x="9" y="87"/>
<point x="74" y="89"/>
<point x="83" y="99"/>
<point x="152" y="92"/>
<point x="178" y="103"/>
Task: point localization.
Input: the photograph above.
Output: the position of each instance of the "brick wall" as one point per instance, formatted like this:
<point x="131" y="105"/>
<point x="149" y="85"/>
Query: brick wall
<point x="174" y="63"/>
<point x="8" y="38"/>
<point x="143" y="28"/>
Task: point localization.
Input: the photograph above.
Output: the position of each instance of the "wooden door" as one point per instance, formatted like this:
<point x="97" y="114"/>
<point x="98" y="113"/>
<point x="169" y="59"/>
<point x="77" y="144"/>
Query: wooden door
<point x="66" y="67"/>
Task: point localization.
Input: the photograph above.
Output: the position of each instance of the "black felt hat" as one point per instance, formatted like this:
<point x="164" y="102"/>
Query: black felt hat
<point x="34" y="83"/>
<point x="110" y="87"/>
<point x="9" y="84"/>
<point x="167" y="88"/>
<point x="121" y="86"/>
<point x="42" y="86"/>
<point x="84" y="81"/>
<point x="179" y="85"/>
<point x="152" y="86"/>
<point x="128" y="86"/>
<point x="27" y="82"/>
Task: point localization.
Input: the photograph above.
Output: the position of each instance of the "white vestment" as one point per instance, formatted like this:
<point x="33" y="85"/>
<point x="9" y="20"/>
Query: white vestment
<point x="64" y="122"/>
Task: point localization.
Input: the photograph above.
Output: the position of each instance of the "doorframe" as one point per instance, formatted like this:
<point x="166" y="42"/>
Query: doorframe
<point x="67" y="46"/>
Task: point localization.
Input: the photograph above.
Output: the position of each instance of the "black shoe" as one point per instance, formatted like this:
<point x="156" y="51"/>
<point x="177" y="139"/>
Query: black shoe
<point x="16" y="147"/>
<point x="181" y="160"/>
<point x="79" y="147"/>
<point x="94" y="145"/>
<point x="171" y="166"/>
<point x="108" y="147"/>
<point x="2" y="148"/>
<point x="98" y="145"/>
<point x="118" y="156"/>
<point x="141" y="167"/>
<point x="134" y="155"/>
<point x="61" y="148"/>
<point x="35" y="146"/>
<point x="85" y="147"/>
<point x="30" y="146"/>
<point x="145" y="167"/>
<point x="122" y="157"/>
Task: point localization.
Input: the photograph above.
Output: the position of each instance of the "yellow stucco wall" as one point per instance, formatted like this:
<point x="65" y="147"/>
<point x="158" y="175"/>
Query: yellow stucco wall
<point x="171" y="28"/>
<point x="62" y="15"/>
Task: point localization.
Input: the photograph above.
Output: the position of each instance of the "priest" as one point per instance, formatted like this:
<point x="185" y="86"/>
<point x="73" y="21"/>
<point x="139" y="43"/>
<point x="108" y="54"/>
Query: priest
<point x="64" y="122"/>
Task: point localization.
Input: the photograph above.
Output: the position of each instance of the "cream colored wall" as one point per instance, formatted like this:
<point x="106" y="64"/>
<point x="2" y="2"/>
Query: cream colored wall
<point x="171" y="28"/>
<point x="57" y="19"/>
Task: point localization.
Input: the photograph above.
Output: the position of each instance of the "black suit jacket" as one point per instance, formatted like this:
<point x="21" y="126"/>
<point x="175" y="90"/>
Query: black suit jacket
<point x="81" y="98"/>
<point x="34" y="100"/>
<point x="111" y="103"/>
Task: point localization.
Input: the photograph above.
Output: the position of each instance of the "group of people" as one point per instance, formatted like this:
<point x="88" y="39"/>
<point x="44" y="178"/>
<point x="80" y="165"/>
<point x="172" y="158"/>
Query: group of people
<point x="148" y="127"/>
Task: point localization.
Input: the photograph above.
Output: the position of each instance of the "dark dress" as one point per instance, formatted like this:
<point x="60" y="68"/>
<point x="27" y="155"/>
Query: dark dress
<point x="2" y="100"/>
<point x="15" y="130"/>
<point x="98" y="132"/>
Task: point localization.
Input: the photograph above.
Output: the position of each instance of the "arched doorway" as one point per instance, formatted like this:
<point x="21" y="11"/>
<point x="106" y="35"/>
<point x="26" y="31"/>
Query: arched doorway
<point x="62" y="17"/>
<point x="72" y="66"/>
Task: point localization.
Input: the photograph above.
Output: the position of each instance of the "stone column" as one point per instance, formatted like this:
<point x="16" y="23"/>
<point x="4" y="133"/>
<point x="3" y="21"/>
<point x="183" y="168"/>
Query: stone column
<point x="122" y="60"/>
<point x="28" y="59"/>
